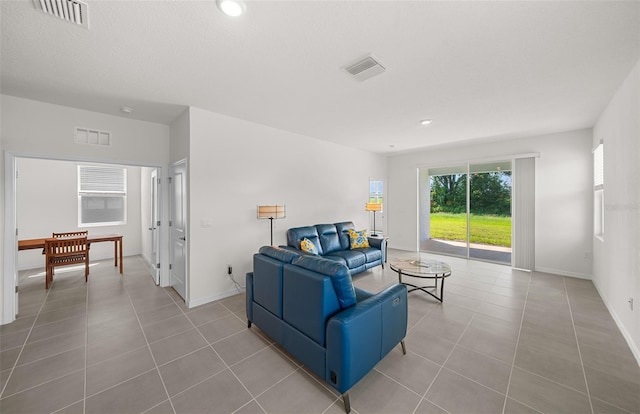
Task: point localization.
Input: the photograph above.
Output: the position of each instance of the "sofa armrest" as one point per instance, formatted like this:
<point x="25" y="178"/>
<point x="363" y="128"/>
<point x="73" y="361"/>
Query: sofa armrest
<point x="379" y="243"/>
<point x="361" y="335"/>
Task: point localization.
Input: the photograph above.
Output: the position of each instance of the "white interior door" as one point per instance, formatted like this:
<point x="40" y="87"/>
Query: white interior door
<point x="153" y="226"/>
<point x="178" y="228"/>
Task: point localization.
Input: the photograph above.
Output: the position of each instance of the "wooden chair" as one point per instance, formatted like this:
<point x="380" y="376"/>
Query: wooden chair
<point x="65" y="252"/>
<point x="71" y="234"/>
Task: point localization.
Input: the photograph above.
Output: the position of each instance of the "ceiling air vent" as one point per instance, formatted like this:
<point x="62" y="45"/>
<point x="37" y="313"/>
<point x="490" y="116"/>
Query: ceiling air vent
<point x="73" y="11"/>
<point x="365" y="68"/>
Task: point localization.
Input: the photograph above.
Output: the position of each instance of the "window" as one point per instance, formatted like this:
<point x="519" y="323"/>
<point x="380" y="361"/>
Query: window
<point x="102" y="195"/>
<point x="376" y="193"/>
<point x="598" y="191"/>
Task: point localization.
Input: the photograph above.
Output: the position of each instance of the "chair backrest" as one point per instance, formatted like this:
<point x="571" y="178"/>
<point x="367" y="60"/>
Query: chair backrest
<point x="71" y="234"/>
<point x="76" y="246"/>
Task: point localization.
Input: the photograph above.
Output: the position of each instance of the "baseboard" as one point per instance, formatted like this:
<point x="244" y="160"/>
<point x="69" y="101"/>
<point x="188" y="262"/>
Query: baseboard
<point x="627" y="336"/>
<point x="209" y="299"/>
<point x="563" y="273"/>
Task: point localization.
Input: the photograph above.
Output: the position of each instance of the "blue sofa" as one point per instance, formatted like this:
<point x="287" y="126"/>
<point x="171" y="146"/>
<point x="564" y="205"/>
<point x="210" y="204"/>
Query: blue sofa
<point x="308" y="304"/>
<point x="332" y="242"/>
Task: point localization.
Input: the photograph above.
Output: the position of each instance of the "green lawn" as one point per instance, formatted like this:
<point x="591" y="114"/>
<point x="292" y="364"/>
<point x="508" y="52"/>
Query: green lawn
<point x="492" y="230"/>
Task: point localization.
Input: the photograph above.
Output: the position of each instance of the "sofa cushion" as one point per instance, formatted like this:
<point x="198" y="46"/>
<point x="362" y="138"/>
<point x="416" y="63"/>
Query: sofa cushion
<point x="296" y="234"/>
<point x="328" y="238"/>
<point x="337" y="272"/>
<point x="372" y="254"/>
<point x="307" y="246"/>
<point x="358" y="239"/>
<point x="278" y="253"/>
<point x="352" y="258"/>
<point x="343" y="233"/>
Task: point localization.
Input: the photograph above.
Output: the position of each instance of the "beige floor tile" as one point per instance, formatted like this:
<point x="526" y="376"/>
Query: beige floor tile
<point x="207" y="313"/>
<point x="162" y="408"/>
<point x="544" y="395"/>
<point x="133" y="396"/>
<point x="119" y="369"/>
<point x="221" y="328"/>
<point x="151" y="316"/>
<point x="64" y="327"/>
<point x="51" y="346"/>
<point x="60" y="393"/>
<point x="262" y="370"/>
<point x="240" y="346"/>
<point x="190" y="369"/>
<point x="411" y="370"/>
<point x="376" y="393"/>
<point x="487" y="371"/>
<point x="222" y="391"/>
<point x="427" y="407"/>
<point x="166" y="328"/>
<point x="176" y="346"/>
<point x="45" y="369"/>
<point x="438" y="349"/>
<point x="469" y="396"/>
<point x="613" y="389"/>
<point x="297" y="393"/>
<point x="515" y="407"/>
<point x="13" y="339"/>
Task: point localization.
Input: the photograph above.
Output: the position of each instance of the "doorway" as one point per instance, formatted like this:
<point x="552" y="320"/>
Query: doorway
<point x="465" y="211"/>
<point x="22" y="214"/>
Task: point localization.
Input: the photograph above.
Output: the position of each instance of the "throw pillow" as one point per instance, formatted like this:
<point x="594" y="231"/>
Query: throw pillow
<point x="307" y="245"/>
<point x="358" y="239"/>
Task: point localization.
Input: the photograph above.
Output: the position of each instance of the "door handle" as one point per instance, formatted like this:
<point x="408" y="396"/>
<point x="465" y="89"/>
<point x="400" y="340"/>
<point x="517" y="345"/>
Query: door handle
<point x="183" y="238"/>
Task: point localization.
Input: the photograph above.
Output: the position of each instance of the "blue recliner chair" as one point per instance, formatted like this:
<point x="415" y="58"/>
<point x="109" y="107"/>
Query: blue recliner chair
<point x="309" y="305"/>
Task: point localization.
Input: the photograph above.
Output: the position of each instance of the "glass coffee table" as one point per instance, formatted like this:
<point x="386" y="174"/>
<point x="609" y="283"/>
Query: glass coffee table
<point x="423" y="269"/>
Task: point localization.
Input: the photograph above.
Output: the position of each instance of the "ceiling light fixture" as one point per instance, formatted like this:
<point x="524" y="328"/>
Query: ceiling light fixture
<point x="426" y="121"/>
<point x="126" y="109"/>
<point x="233" y="8"/>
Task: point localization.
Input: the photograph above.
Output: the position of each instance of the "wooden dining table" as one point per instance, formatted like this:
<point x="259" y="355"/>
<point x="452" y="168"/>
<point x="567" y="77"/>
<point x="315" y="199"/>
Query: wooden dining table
<point x="28" y="244"/>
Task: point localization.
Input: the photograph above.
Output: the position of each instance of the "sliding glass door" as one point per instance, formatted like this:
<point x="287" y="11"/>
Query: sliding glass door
<point x="465" y="210"/>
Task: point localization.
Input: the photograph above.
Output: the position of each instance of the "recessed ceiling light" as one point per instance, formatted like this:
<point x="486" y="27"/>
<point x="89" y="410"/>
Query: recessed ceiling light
<point x="233" y="8"/>
<point x="126" y="109"/>
<point x="426" y="121"/>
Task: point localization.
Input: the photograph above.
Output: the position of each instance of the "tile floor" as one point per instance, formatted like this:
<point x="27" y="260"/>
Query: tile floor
<point x="504" y="341"/>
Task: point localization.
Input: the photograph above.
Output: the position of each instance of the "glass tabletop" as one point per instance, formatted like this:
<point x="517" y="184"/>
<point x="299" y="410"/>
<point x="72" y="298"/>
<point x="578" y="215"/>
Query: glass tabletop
<point x="426" y="267"/>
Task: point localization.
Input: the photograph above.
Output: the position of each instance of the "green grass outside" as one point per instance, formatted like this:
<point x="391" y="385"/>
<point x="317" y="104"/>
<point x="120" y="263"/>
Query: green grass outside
<point x="492" y="230"/>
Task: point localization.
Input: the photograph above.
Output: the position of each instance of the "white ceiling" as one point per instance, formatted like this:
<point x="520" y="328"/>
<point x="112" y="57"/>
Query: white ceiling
<point x="479" y="69"/>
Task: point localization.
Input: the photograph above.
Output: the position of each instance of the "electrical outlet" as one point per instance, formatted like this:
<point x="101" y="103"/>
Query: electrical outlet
<point x="229" y="270"/>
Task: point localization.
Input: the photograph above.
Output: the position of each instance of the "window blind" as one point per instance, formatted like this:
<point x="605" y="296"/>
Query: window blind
<point x="524" y="185"/>
<point x="94" y="179"/>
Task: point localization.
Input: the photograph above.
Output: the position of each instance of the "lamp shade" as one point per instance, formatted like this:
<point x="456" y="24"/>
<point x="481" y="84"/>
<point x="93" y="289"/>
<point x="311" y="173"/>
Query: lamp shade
<point x="373" y="207"/>
<point x="272" y="212"/>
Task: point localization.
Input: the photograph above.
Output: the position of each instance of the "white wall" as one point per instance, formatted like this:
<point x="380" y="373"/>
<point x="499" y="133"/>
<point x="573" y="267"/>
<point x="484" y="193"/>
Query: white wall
<point x="563" y="194"/>
<point x="234" y="165"/>
<point x="45" y="130"/>
<point x="616" y="257"/>
<point x="43" y="208"/>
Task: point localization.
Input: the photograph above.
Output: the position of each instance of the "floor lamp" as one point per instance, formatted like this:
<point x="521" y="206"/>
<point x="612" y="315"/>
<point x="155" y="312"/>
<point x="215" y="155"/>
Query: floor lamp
<point x="373" y="207"/>
<point x="271" y="212"/>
